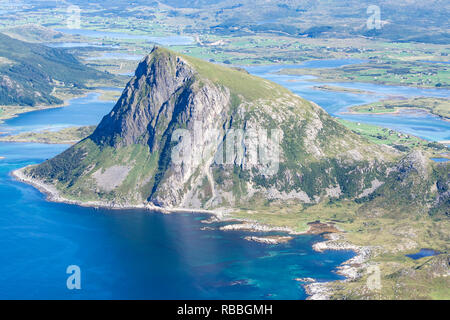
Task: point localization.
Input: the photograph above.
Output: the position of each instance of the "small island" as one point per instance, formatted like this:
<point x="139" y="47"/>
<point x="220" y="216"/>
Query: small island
<point x="69" y="135"/>
<point x="436" y="106"/>
<point x="327" y="87"/>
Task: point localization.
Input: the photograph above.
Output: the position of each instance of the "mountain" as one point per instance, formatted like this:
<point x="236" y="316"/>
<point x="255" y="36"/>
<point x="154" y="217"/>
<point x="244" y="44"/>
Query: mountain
<point x="29" y="72"/>
<point x="225" y="122"/>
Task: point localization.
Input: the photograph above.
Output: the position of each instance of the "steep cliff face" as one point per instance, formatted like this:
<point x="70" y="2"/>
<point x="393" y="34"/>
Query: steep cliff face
<point x="187" y="133"/>
<point x="166" y="94"/>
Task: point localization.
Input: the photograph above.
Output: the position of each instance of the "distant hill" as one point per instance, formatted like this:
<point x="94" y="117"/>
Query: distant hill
<point x="34" y="33"/>
<point x="29" y="72"/>
<point x="413" y="20"/>
<point x="405" y="21"/>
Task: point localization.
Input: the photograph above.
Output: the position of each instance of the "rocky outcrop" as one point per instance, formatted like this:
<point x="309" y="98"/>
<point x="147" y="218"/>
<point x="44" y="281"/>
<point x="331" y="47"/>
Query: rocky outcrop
<point x="149" y="102"/>
<point x="413" y="163"/>
<point x="352" y="269"/>
<point x="269" y="239"/>
<point x="414" y="186"/>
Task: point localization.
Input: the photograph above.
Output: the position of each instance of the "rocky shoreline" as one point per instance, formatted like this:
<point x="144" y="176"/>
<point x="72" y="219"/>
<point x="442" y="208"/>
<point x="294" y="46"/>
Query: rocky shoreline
<point x="218" y="215"/>
<point x="16" y="113"/>
<point x="53" y="195"/>
<point x="255" y="227"/>
<point x="351" y="268"/>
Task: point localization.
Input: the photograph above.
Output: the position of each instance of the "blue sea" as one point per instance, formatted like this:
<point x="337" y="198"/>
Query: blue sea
<point x="82" y="111"/>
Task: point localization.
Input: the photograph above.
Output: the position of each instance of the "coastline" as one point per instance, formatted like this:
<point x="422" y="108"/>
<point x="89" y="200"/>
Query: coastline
<point x="217" y="215"/>
<point x="66" y="135"/>
<point x="326" y="87"/>
<point x="54" y="196"/>
<point x="350" y="269"/>
<point x="66" y="102"/>
<point x="27" y="109"/>
<point x="397" y="111"/>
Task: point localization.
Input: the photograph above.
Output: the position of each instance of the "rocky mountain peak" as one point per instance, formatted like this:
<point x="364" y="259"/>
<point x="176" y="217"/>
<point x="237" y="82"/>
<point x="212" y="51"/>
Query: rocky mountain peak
<point x="159" y="79"/>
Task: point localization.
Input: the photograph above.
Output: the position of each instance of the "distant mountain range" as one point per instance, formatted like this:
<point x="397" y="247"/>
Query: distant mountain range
<point x="414" y="20"/>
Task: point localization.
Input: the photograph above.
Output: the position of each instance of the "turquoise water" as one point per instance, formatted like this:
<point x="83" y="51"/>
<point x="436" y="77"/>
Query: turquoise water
<point x="131" y="254"/>
<point x="135" y="253"/>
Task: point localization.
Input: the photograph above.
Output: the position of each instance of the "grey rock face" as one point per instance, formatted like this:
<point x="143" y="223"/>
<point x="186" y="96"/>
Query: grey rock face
<point x="165" y="95"/>
<point x="414" y="162"/>
<point x="202" y="115"/>
<point x="148" y="99"/>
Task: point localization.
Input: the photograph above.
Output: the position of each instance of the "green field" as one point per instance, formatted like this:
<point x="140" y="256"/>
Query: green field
<point x="400" y="141"/>
<point x="388" y="71"/>
<point x="437" y="106"/>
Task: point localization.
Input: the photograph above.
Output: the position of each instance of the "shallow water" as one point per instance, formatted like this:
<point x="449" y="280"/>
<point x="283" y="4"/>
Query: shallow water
<point x="135" y="253"/>
<point x="77" y="45"/>
<point x="131" y="253"/>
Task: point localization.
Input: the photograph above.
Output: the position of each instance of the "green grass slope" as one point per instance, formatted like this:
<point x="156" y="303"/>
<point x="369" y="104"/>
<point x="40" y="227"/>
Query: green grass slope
<point x="30" y="72"/>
